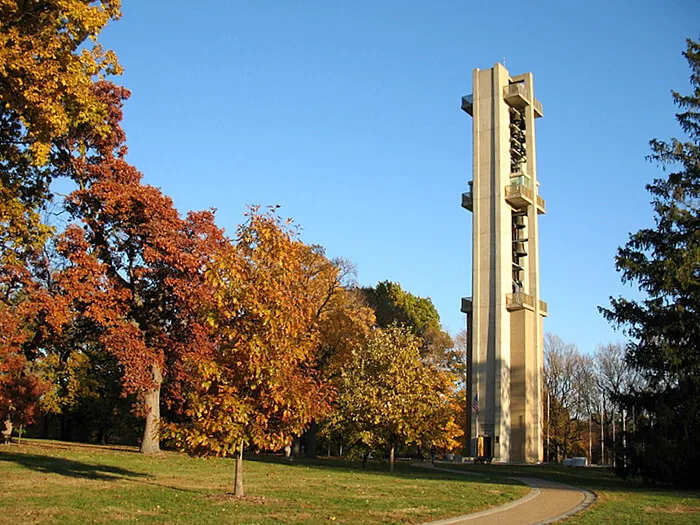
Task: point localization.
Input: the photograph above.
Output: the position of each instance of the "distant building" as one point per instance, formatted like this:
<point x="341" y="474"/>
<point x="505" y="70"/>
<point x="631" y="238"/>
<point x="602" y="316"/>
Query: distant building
<point x="504" y="314"/>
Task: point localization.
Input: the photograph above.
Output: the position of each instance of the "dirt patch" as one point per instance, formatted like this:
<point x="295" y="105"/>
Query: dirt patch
<point x="675" y="509"/>
<point x="229" y="497"/>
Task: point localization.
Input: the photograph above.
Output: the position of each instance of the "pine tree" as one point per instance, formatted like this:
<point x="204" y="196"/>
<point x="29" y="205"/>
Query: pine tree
<point x="664" y="327"/>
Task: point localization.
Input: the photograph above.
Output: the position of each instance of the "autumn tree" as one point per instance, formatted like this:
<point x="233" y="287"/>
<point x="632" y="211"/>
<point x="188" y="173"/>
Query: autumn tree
<point x="387" y="395"/>
<point x="258" y="386"/>
<point x="664" y="263"/>
<point x="150" y="259"/>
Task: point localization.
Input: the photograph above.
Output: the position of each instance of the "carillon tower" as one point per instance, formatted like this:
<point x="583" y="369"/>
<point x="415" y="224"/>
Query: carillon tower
<point x="504" y="314"/>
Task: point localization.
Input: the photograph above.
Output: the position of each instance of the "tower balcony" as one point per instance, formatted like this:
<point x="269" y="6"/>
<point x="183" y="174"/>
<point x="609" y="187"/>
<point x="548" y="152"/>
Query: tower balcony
<point x="468" y="104"/>
<point x="520" y="196"/>
<point x="466" y="305"/>
<point x="537" y="108"/>
<point x="519" y="301"/>
<point x="516" y="95"/>
<point x="468" y="198"/>
<point x="544" y="312"/>
<point x="468" y="201"/>
<point x="541" y="208"/>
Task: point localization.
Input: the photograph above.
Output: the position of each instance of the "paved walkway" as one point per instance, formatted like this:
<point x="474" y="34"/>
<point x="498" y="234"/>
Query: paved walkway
<point x="547" y="502"/>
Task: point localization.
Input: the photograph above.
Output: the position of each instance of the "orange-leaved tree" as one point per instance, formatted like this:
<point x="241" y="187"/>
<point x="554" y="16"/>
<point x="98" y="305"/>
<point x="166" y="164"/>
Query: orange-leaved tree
<point x="259" y="386"/>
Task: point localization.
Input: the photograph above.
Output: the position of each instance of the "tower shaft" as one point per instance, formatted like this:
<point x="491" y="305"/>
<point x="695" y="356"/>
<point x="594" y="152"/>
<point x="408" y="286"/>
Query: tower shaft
<point x="504" y="314"/>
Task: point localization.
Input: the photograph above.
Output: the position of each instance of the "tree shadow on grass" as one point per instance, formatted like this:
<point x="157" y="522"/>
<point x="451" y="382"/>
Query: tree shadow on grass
<point x="381" y="468"/>
<point x="70" y="468"/>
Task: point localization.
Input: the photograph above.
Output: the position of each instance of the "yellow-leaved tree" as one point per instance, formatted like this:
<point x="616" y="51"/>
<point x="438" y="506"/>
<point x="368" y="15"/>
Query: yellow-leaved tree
<point x="47" y="97"/>
<point x="387" y="396"/>
<point x="258" y="387"/>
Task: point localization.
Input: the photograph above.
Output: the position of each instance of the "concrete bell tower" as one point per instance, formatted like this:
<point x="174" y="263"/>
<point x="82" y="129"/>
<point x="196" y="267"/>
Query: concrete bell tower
<point x="504" y="314"/>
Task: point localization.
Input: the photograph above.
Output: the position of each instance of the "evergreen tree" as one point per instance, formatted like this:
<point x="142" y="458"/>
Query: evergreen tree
<point x="664" y="327"/>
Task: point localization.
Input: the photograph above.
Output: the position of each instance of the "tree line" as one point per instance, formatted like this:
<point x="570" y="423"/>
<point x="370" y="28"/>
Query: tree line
<point x="584" y="415"/>
<point x="123" y="320"/>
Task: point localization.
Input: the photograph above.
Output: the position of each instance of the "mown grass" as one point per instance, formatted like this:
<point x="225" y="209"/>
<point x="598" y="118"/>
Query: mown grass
<point x="618" y="501"/>
<point x="54" y="482"/>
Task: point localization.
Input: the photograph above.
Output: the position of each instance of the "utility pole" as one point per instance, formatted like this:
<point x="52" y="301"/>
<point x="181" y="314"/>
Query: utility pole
<point x="548" y="424"/>
<point x="590" y="450"/>
<point x="624" y="439"/>
<point x="613" y="422"/>
<point x="602" y="427"/>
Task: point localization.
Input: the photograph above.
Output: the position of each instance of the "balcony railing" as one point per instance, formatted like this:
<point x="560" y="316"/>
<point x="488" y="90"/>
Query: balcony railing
<point x="543" y="309"/>
<point x="521" y="178"/>
<point x="518" y="301"/>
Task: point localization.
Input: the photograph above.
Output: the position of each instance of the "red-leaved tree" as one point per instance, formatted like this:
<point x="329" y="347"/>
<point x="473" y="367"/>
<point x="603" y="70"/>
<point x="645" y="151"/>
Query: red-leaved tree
<point x="150" y="260"/>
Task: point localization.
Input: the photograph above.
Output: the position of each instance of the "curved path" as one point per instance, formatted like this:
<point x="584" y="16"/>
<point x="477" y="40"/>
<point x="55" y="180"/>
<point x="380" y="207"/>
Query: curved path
<point x="547" y="502"/>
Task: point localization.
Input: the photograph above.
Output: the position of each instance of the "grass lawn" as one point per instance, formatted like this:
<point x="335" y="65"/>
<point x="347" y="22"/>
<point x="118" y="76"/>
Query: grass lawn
<point x="54" y="482"/>
<point x="627" y="502"/>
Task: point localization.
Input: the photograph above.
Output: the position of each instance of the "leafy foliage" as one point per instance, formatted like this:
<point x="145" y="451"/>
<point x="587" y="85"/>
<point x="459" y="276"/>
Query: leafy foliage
<point x="395" y="306"/>
<point x="258" y="384"/>
<point x="45" y="76"/>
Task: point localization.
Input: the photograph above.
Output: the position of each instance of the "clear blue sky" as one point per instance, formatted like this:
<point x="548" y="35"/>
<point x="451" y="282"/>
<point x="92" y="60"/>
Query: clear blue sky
<point x="347" y="115"/>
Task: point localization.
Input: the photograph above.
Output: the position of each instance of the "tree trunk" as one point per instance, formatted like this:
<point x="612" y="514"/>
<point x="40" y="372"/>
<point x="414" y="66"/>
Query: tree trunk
<point x="63" y="427"/>
<point x="391" y="458"/>
<point x="7" y="430"/>
<point x="310" y="440"/>
<point x="238" y="483"/>
<point x="150" y="444"/>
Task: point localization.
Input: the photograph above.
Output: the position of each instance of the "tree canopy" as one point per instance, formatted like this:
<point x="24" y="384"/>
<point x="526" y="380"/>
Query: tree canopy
<point x="395" y="306"/>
